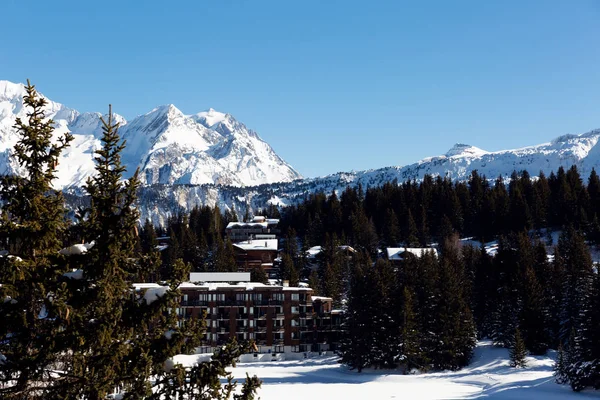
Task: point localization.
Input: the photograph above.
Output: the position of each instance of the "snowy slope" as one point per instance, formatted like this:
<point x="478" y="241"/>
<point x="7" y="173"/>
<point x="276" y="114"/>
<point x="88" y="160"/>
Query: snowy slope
<point x="166" y="145"/>
<point x="489" y="376"/>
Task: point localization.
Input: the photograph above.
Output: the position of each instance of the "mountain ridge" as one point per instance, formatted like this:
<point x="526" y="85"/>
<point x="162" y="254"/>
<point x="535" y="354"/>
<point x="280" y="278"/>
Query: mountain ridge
<point x="167" y="146"/>
<point x="211" y="158"/>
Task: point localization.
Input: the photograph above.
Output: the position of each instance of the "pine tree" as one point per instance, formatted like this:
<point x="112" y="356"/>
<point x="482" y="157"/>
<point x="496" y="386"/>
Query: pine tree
<point x="314" y="283"/>
<point x="453" y="323"/>
<point x="34" y="311"/>
<point x="258" y="274"/>
<point x="518" y="352"/>
<point x="561" y="366"/>
<point x="116" y="335"/>
<point x="409" y="354"/>
<point x="359" y="339"/>
<point x="150" y="259"/>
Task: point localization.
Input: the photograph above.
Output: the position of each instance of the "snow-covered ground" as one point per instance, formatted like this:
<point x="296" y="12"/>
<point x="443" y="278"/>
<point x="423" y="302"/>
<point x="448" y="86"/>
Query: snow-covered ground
<point x="488" y="376"/>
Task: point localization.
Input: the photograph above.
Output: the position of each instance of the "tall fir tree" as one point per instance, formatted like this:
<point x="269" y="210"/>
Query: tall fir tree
<point x="518" y="352"/>
<point x="34" y="309"/>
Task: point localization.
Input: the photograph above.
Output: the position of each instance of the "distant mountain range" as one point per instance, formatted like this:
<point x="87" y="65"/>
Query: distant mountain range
<point x="211" y="158"/>
<point x="168" y="146"/>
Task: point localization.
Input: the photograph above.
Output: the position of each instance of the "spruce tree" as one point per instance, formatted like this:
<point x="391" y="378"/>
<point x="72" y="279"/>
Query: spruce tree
<point x="33" y="310"/>
<point x="561" y="366"/>
<point x="119" y="337"/>
<point x="359" y="320"/>
<point x="409" y="351"/>
<point x="258" y="274"/>
<point x="453" y="326"/>
<point x="518" y="352"/>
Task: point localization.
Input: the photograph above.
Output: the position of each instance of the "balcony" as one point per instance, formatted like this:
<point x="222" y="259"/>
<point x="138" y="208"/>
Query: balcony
<point x="194" y="303"/>
<point x="268" y="302"/>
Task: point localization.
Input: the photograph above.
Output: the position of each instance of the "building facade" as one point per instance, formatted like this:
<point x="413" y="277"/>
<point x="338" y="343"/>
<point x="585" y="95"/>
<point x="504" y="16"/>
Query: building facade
<point x="258" y="228"/>
<point x="277" y="318"/>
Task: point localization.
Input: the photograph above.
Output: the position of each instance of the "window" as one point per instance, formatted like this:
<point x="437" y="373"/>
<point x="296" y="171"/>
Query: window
<point x="295" y="297"/>
<point x="241" y="296"/>
<point x="278" y="296"/>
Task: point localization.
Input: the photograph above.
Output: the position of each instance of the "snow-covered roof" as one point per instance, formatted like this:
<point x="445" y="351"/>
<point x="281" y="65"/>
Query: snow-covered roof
<point x="211" y="286"/>
<point x="315" y="250"/>
<point x="321" y="298"/>
<point x="263" y="244"/>
<point x="220" y="277"/>
<point x="396" y="253"/>
<point x="232" y="225"/>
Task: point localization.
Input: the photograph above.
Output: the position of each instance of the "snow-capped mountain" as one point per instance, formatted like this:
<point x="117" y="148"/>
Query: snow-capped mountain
<point x="167" y="146"/>
<point x="158" y="202"/>
<point x="211" y="158"/>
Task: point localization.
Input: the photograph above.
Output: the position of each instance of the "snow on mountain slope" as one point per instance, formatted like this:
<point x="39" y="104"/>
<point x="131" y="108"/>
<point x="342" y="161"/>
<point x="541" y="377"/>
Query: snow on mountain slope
<point x="166" y="145"/>
<point x="458" y="163"/>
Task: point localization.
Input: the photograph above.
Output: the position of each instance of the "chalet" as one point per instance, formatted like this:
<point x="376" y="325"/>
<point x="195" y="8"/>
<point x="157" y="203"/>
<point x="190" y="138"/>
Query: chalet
<point x="398" y="254"/>
<point x="312" y="254"/>
<point x="254" y="253"/>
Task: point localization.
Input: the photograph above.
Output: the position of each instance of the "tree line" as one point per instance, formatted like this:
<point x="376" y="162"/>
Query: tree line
<point x="528" y="292"/>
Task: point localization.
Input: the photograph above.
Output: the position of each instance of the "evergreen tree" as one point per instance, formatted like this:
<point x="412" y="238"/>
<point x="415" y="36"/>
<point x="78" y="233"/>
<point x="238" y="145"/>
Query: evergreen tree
<point x="258" y="274"/>
<point x="561" y="366"/>
<point x="34" y="309"/>
<point x="314" y="283"/>
<point x="358" y="340"/>
<point x="409" y="349"/>
<point x="109" y="335"/>
<point x="533" y="319"/>
<point x="453" y="324"/>
<point x="518" y="352"/>
<point x="149" y="255"/>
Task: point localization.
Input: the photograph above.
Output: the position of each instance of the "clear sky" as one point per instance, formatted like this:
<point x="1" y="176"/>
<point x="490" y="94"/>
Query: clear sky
<point x="332" y="85"/>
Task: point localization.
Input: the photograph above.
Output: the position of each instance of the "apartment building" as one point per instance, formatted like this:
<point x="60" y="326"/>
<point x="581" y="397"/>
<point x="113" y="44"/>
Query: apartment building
<point x="277" y="318"/>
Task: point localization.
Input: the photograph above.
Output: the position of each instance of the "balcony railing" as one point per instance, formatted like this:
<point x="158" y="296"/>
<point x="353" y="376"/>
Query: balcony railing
<point x="193" y="303"/>
<point x="268" y="302"/>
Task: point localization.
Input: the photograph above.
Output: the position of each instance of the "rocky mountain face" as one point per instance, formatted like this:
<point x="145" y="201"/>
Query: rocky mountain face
<point x="167" y="146"/>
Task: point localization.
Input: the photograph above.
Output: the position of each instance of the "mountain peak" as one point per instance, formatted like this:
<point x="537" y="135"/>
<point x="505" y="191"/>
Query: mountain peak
<point x="210" y="117"/>
<point x="9" y="90"/>
<point x="461" y="149"/>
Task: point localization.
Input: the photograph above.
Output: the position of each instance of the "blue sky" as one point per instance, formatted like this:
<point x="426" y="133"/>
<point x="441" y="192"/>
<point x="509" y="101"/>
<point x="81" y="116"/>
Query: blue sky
<point x="331" y="85"/>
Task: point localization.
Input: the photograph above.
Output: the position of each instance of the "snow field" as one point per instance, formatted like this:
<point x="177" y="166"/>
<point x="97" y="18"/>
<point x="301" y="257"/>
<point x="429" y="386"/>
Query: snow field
<point x="489" y="376"/>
